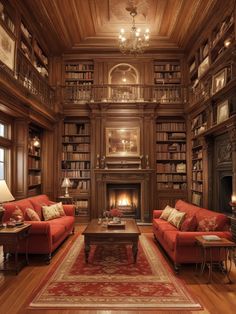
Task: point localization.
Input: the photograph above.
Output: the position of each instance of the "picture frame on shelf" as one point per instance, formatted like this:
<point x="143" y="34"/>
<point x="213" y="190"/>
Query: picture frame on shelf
<point x="219" y="80"/>
<point x="7" y="49"/>
<point x="222" y="111"/>
<point x="123" y="142"/>
<point x="203" y="67"/>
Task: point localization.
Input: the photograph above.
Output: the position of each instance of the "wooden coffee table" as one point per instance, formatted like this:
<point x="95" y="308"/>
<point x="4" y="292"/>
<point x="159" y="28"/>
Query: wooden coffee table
<point x="98" y="234"/>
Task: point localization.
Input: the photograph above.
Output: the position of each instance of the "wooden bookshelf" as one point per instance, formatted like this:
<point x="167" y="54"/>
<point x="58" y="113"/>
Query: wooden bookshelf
<point x="79" y="77"/>
<point x="7" y="17"/>
<point x="167" y="77"/>
<point x="171" y="157"/>
<point x="34" y="161"/>
<point x="32" y="50"/>
<point x="75" y="164"/>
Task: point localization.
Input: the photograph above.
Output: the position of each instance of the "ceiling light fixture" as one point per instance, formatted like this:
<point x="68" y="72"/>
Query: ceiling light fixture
<point x="136" y="42"/>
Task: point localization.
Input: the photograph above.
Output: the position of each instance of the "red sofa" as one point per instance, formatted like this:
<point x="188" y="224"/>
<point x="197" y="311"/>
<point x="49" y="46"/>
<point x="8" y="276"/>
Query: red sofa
<point x="181" y="245"/>
<point x="44" y="236"/>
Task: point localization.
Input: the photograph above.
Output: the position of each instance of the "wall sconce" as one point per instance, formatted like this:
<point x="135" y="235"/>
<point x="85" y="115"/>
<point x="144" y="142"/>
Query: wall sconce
<point x="36" y="141"/>
<point x="228" y="42"/>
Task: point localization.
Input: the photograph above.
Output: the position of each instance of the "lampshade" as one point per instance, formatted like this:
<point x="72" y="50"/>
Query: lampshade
<point x="66" y="183"/>
<point x="5" y="194"/>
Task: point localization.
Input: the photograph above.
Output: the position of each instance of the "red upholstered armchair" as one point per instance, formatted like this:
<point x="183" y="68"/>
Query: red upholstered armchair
<point x="181" y="245"/>
<point x="44" y="236"/>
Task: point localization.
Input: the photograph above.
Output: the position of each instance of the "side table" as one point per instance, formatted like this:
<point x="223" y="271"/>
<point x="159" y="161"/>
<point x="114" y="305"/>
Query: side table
<point x="65" y="199"/>
<point x="208" y="247"/>
<point x="11" y="238"/>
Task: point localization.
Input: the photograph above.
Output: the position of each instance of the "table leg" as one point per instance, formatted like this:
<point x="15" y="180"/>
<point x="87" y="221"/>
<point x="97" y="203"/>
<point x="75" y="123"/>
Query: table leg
<point x="86" y="250"/>
<point x="135" y="250"/>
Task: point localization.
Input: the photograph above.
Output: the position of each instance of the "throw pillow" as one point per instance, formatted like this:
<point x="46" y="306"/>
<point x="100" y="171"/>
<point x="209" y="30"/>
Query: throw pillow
<point x="31" y="215"/>
<point x="166" y="212"/>
<point x="50" y="212"/>
<point x="176" y="218"/>
<point x="60" y="209"/>
<point x="207" y="224"/>
<point x="189" y="224"/>
<point x="17" y="214"/>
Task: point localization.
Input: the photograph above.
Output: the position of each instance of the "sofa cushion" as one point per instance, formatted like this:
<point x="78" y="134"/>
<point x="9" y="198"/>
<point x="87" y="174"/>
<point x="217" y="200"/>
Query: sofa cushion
<point x="17" y="214"/>
<point x="187" y="208"/>
<point x="189" y="224"/>
<point x="9" y="210"/>
<point x="176" y="218"/>
<point x="170" y="239"/>
<point x="60" y="209"/>
<point x="39" y="201"/>
<point x="50" y="212"/>
<point x="211" y="221"/>
<point x="166" y="212"/>
<point x="164" y="227"/>
<point x="57" y="231"/>
<point x="31" y="214"/>
<point x="66" y="221"/>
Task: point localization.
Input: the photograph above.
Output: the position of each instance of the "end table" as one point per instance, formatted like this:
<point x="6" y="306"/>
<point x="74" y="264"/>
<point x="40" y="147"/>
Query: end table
<point x="207" y="248"/>
<point x="11" y="238"/>
<point x="65" y="199"/>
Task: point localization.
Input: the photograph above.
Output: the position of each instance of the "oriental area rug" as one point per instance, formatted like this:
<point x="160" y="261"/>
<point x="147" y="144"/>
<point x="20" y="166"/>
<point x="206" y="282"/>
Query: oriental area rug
<point x="110" y="280"/>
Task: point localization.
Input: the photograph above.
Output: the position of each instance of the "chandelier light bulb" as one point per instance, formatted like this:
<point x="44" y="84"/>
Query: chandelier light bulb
<point x="122" y="30"/>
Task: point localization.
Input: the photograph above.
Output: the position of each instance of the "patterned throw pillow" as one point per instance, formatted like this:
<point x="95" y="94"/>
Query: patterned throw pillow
<point x="166" y="212"/>
<point x="207" y="224"/>
<point x="189" y="224"/>
<point x="50" y="212"/>
<point x="60" y="209"/>
<point x="17" y="214"/>
<point x="32" y="215"/>
<point x="176" y="218"/>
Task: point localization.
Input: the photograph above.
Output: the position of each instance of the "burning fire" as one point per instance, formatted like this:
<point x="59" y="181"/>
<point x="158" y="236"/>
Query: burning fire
<point x="123" y="202"/>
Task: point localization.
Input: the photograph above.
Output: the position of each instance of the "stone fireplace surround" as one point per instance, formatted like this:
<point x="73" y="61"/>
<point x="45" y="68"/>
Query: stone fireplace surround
<point x="144" y="177"/>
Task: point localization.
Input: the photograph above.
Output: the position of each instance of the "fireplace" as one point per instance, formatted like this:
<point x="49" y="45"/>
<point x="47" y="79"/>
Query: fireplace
<point x="225" y="193"/>
<point x="125" y="197"/>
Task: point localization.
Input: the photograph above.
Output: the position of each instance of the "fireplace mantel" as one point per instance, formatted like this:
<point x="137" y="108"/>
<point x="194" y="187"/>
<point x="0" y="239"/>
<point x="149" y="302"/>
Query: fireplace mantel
<point x="144" y="177"/>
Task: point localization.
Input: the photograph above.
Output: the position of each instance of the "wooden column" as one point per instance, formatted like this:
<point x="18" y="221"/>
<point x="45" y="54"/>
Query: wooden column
<point x="20" y="162"/>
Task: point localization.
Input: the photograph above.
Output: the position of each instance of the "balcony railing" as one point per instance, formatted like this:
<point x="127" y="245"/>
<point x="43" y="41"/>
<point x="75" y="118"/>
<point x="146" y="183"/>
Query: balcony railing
<point x="35" y="83"/>
<point x="125" y="93"/>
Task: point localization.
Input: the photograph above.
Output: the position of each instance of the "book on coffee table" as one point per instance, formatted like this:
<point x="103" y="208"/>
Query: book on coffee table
<point x="113" y="224"/>
<point x="211" y="237"/>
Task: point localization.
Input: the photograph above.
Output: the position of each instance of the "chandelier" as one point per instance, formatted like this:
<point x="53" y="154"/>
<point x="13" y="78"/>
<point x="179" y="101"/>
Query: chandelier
<point x="136" y="42"/>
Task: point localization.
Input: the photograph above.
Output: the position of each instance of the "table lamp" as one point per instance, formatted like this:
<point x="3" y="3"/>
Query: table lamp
<point x="5" y="196"/>
<point x="66" y="184"/>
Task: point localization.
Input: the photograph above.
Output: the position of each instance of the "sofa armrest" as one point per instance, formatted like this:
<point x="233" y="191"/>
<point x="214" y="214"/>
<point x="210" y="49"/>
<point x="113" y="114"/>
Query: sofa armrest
<point x="39" y="227"/>
<point x="69" y="210"/>
<point x="156" y="213"/>
<point x="188" y="238"/>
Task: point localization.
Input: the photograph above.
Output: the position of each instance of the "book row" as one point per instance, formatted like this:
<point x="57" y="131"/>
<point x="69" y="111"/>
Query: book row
<point x="175" y="147"/>
<point x="197" y="175"/>
<point x="197" y="186"/>
<point x="166" y="67"/>
<point x="79" y="75"/>
<point x="75" y="165"/>
<point x="34" y="179"/>
<point x="75" y="156"/>
<point x="197" y="165"/>
<point x="81" y="185"/>
<point x="76" y="139"/>
<point x="171" y="156"/>
<point x="76" y="128"/>
<point x="33" y="163"/>
<point x="167" y="75"/>
<point x="81" y="203"/>
<point x="76" y="174"/>
<point x="171" y="167"/>
<point x="170" y="136"/>
<point x="171" y="185"/>
<point x="76" y="147"/>
<point x="197" y="154"/>
<point x="171" y="126"/>
<point x="79" y="67"/>
<point x="171" y="177"/>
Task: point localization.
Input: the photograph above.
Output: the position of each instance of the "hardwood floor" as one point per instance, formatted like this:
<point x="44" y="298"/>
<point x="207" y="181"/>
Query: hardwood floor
<point x="15" y="291"/>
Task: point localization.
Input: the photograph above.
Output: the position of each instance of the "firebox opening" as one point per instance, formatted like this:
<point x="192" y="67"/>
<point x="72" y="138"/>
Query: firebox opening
<point x="225" y="194"/>
<point x="126" y="198"/>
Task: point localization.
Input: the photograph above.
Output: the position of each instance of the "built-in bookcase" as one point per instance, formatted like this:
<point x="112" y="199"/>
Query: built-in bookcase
<point x="75" y="163"/>
<point x="167" y="77"/>
<point x="79" y="77"/>
<point x="171" y="157"/>
<point x="34" y="161"/>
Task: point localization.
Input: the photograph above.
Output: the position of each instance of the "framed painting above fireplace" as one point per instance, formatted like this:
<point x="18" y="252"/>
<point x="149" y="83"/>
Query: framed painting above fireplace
<point x="123" y="142"/>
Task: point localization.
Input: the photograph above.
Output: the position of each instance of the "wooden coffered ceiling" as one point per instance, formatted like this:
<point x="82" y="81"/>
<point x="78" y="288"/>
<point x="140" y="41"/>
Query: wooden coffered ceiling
<point x="93" y="25"/>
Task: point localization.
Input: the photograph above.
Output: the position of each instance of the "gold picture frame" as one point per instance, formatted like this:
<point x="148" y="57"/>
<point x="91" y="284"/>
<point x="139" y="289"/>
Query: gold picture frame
<point x="219" y="80"/>
<point x="123" y="142"/>
<point x="7" y="49"/>
<point x="222" y="111"/>
<point x="203" y="67"/>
